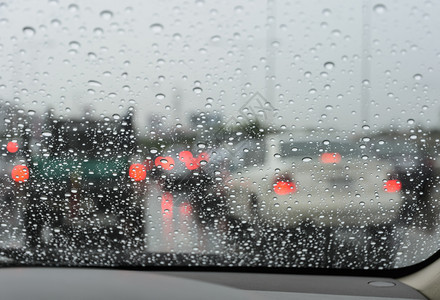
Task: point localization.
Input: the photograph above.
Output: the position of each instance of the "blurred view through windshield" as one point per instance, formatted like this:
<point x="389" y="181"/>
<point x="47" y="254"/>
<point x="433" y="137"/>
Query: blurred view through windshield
<point x="243" y="133"/>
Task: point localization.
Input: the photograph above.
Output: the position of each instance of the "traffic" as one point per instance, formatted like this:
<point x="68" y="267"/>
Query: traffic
<point x="100" y="186"/>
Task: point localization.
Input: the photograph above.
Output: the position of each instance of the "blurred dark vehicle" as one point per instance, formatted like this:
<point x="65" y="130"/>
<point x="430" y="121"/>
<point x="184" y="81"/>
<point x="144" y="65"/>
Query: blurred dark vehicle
<point x="414" y="168"/>
<point x="189" y="172"/>
<point x="12" y="158"/>
<point x="79" y="185"/>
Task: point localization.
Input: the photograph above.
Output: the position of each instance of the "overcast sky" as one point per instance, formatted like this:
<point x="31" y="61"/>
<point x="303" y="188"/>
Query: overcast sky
<point x="318" y="63"/>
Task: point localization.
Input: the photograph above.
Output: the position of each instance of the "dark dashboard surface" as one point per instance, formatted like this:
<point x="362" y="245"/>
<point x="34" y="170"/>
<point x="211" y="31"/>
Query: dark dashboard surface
<point x="83" y="283"/>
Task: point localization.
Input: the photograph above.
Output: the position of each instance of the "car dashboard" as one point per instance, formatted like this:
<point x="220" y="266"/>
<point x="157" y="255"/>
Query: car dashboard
<point x="85" y="283"/>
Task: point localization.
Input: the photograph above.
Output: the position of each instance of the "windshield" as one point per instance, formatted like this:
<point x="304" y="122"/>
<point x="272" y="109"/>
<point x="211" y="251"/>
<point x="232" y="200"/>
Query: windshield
<point x="235" y="134"/>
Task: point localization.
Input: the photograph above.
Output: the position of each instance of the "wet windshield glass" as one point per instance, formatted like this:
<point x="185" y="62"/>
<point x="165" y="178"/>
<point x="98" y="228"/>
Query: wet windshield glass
<point x="243" y="133"/>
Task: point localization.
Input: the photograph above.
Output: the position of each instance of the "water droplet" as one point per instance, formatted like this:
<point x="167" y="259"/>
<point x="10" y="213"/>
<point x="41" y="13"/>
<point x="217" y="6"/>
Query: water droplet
<point x="326" y="12"/>
<point x="197" y="90"/>
<point x="238" y="9"/>
<point x="106" y="14"/>
<point x="312" y="91"/>
<point x="307" y="159"/>
<point x="160" y="96"/>
<point x="156" y="27"/>
<point x="418" y="77"/>
<point x="55" y="22"/>
<point x="329" y="65"/>
<point x="94" y="83"/>
<point x="73" y="8"/>
<point x="74" y="45"/>
<point x="380" y="8"/>
<point x="177" y="36"/>
<point x="215" y="38"/>
<point x="411" y="121"/>
<point x="98" y="31"/>
<point x="116" y="116"/>
<point x="29" y="31"/>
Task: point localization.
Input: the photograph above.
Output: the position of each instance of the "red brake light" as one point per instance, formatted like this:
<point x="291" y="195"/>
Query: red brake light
<point x="20" y="173"/>
<point x="330" y="158"/>
<point x="185" y="156"/>
<point x="284" y="187"/>
<point x="392" y="186"/>
<point x="192" y="162"/>
<point x="138" y="172"/>
<point x="185" y="209"/>
<point x="167" y="204"/>
<point x="12" y="147"/>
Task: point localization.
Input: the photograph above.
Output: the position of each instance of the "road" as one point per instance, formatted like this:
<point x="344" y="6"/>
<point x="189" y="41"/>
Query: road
<point x="171" y="227"/>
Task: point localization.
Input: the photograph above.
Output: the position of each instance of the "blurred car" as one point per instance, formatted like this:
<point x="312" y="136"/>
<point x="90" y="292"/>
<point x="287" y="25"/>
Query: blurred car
<point x="414" y="169"/>
<point x="334" y="177"/>
<point x="13" y="173"/>
<point x="82" y="189"/>
<point x="186" y="171"/>
<point x="317" y="184"/>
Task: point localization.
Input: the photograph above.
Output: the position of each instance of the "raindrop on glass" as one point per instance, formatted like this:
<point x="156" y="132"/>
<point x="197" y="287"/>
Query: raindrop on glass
<point x="380" y="8"/>
<point x="197" y="90"/>
<point x="215" y="38"/>
<point x="156" y="27"/>
<point x="94" y="83"/>
<point x="160" y="96"/>
<point x="106" y="14"/>
<point x="73" y="8"/>
<point x="418" y="77"/>
<point x="29" y="31"/>
<point x="329" y="65"/>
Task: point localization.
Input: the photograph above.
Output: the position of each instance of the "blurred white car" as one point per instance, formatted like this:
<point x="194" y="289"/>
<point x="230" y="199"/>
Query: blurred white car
<point x="327" y="183"/>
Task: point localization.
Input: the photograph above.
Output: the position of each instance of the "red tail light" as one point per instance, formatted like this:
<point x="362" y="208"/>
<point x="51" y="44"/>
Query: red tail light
<point x="392" y="186"/>
<point x="192" y="162"/>
<point x="185" y="209"/>
<point x="20" y="173"/>
<point x="12" y="147"/>
<point x="284" y="187"/>
<point x="138" y="172"/>
<point x="330" y="158"/>
<point x="167" y="204"/>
